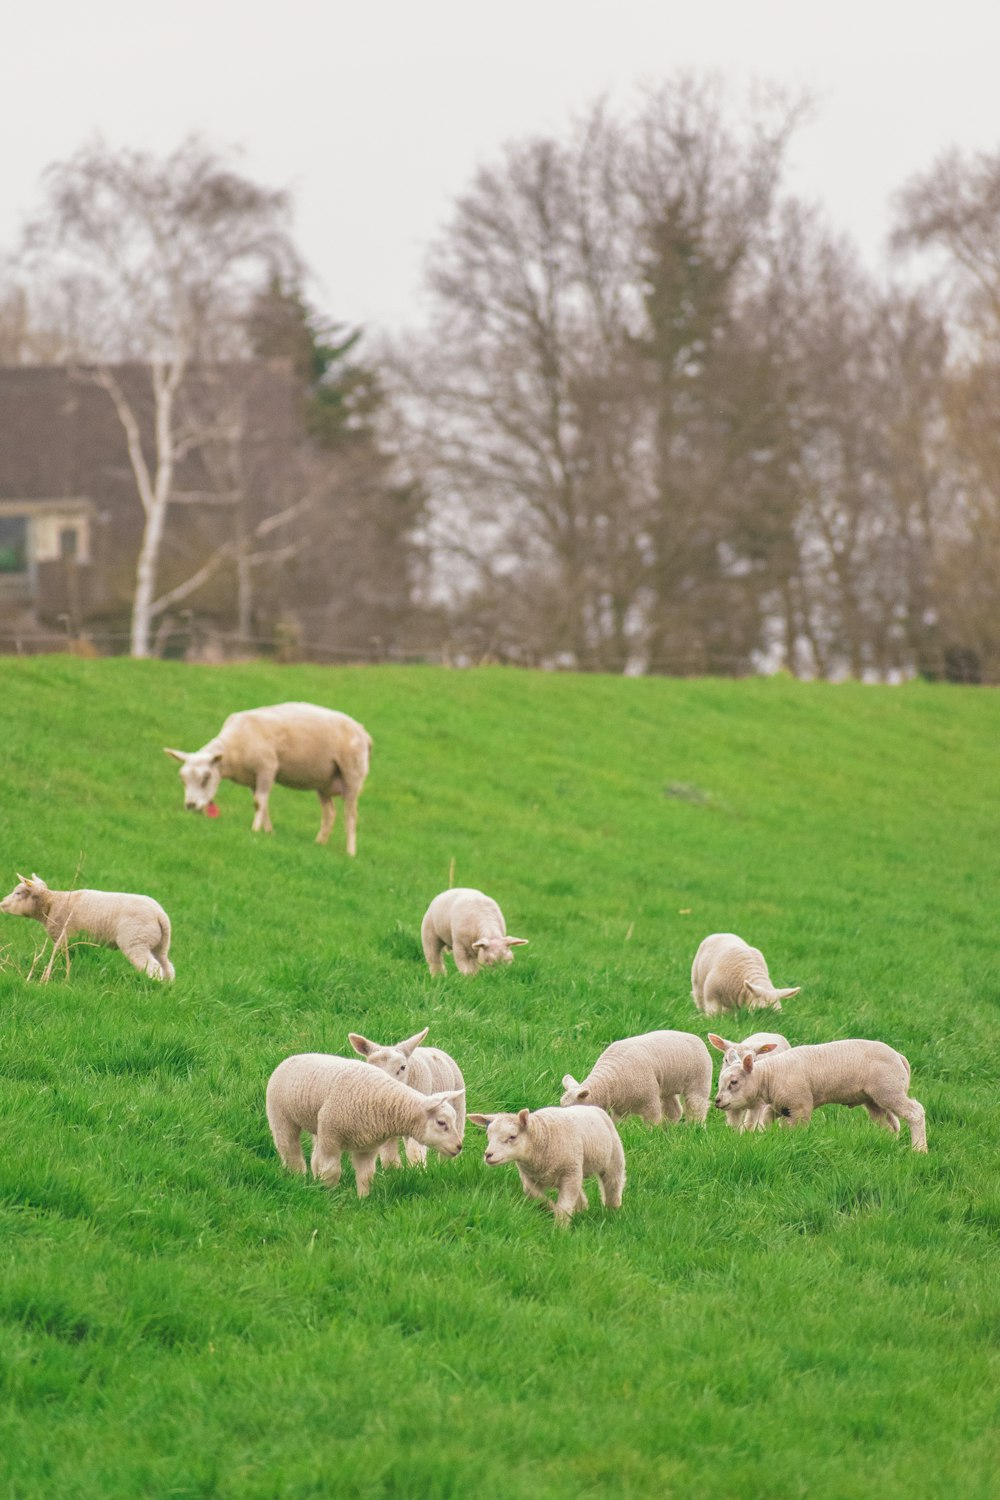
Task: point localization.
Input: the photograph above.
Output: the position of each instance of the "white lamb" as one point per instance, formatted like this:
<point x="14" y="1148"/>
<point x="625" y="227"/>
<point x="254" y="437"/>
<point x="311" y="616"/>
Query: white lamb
<point x="426" y="1069"/>
<point x="347" y="1106"/>
<point x="796" y="1082"/>
<point x="558" y="1148"/>
<point x="658" y="1076"/>
<point x="759" y="1115"/>
<point x="728" y="973"/>
<point x="298" y="745"/>
<point x="137" y="925"/>
<point x="472" y="926"/>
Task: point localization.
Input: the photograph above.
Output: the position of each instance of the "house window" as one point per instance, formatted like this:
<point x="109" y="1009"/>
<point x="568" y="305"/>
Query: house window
<point x="69" y="543"/>
<point x="13" y="544"/>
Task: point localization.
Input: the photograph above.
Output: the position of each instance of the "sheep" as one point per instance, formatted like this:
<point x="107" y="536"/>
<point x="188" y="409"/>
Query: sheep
<point x="294" y="744"/>
<point x="648" y="1076"/>
<point x="426" y="1069"/>
<point x="558" y="1148"/>
<point x="347" y="1106"/>
<point x="137" y="925"/>
<point x="796" y="1082"/>
<point x="728" y="973"/>
<point x="759" y="1115"/>
<point x="472" y="926"/>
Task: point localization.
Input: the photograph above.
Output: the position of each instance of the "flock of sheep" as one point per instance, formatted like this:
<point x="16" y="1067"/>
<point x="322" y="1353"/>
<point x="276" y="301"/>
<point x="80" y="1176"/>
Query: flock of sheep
<point x="410" y="1095"/>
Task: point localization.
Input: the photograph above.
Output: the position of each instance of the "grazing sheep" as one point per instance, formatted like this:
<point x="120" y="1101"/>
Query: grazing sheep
<point x="137" y="925"/>
<point x="347" y="1106"/>
<point x="802" y="1079"/>
<point x="472" y="926"/>
<point x="728" y="973"/>
<point x="648" y="1076"/>
<point x="426" y="1069"/>
<point x="558" y="1148"/>
<point x="759" y="1115"/>
<point x="294" y="744"/>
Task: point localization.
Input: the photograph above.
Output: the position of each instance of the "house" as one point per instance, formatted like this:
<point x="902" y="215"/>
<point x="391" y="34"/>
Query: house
<point x="71" y="522"/>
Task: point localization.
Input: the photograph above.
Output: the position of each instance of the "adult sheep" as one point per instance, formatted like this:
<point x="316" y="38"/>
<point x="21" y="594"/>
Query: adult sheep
<point x="298" y="745"/>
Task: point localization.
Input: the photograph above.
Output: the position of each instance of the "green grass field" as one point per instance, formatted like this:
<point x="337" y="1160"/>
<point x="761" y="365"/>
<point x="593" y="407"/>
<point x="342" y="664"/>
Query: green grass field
<point x="809" y="1313"/>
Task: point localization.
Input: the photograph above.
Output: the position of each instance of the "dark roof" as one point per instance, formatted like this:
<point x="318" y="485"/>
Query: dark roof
<point x="60" y="434"/>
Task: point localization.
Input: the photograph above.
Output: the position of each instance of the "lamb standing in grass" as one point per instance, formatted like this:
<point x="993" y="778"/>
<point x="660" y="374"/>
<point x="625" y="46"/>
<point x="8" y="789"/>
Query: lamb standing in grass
<point x="796" y="1082"/>
<point x="347" y="1106"/>
<point x="728" y="973"/>
<point x="759" y="1115"/>
<point x="472" y="926"/>
<point x="426" y="1069"/>
<point x="658" y="1076"/>
<point x="297" y="745"/>
<point x="558" y="1148"/>
<point x="137" y="925"/>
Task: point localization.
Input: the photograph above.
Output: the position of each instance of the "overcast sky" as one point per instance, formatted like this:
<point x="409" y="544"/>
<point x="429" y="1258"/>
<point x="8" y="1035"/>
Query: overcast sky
<point x="375" y="113"/>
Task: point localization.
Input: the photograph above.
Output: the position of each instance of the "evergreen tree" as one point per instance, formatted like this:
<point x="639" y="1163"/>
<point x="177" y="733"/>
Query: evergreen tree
<point x="340" y="396"/>
<point x="350" y="587"/>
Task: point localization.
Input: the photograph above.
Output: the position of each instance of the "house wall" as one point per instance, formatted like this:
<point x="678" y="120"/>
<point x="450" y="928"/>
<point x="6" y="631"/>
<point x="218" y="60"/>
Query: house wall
<point x="64" y="465"/>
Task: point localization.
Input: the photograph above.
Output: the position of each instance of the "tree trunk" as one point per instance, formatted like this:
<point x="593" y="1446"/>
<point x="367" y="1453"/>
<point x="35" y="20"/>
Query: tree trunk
<point x="244" y="588"/>
<point x="165" y="383"/>
<point x="145" y="581"/>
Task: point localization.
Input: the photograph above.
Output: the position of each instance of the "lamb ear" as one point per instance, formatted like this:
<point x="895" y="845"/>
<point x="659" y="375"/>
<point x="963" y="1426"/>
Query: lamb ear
<point x="758" y="990"/>
<point x="583" y="1094"/>
<point x="516" y="942"/>
<point x="481" y="943"/>
<point x="787" y="994"/>
<point x="217" y="758"/>
<point x="180" y="755"/>
<point x="412" y="1042"/>
<point x="522" y="1117"/>
<point x="446" y="1096"/>
<point x="748" y="1063"/>
<point x="482" y="1120"/>
<point x="765" y="1047"/>
<point x="360" y="1043"/>
<point x="719" y="1043"/>
<point x="569" y="1082"/>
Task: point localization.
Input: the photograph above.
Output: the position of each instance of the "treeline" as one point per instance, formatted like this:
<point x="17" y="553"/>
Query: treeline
<point x="669" y="422"/>
<point x="661" y="418"/>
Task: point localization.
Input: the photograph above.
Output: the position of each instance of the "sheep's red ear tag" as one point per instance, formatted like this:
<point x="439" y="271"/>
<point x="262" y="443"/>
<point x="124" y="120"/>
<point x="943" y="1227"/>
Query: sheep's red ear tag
<point x="212" y="810"/>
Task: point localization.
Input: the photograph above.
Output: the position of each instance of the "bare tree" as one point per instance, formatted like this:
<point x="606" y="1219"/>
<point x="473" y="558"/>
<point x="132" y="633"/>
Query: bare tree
<point x="576" y="409"/>
<point x="520" y="397"/>
<point x="954" y="209"/>
<point x="154" y="261"/>
<point x="706" y="189"/>
<point x="843" y="473"/>
<point x="952" y="213"/>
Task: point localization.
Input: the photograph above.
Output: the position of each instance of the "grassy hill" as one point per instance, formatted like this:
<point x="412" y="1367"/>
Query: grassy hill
<point x="797" y="1314"/>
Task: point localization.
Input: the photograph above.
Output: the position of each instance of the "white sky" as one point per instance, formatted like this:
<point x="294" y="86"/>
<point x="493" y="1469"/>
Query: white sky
<point x="375" y="113"/>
